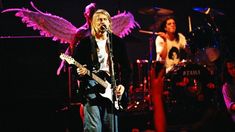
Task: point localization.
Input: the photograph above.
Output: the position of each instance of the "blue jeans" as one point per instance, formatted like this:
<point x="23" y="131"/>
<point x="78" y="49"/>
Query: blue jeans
<point x="97" y="118"/>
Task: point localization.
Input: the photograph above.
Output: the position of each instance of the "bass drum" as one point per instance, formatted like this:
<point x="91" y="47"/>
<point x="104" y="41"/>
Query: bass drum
<point x="186" y="95"/>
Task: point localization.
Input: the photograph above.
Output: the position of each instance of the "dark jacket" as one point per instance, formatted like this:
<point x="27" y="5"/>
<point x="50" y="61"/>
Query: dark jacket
<point x="86" y="53"/>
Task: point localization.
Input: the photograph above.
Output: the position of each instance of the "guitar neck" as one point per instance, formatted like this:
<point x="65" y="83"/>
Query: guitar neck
<point x="92" y="75"/>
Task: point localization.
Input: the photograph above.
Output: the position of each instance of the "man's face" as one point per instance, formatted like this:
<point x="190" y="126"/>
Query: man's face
<point x="100" y="20"/>
<point x="170" y="26"/>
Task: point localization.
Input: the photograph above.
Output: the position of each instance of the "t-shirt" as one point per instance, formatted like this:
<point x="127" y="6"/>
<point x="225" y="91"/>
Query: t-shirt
<point x="173" y="50"/>
<point x="103" y="55"/>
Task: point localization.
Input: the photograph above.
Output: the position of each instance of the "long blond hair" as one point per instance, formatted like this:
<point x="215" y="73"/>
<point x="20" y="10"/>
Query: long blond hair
<point x="104" y="12"/>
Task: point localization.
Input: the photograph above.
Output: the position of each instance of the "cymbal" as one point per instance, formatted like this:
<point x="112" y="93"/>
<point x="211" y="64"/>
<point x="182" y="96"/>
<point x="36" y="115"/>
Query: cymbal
<point x="158" y="21"/>
<point x="208" y="11"/>
<point x="155" y="11"/>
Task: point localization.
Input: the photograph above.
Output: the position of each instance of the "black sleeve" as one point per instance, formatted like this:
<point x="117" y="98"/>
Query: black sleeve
<point x="81" y="54"/>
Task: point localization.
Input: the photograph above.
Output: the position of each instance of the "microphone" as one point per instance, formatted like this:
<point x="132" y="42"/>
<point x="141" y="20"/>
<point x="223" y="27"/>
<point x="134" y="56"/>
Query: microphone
<point x="104" y="28"/>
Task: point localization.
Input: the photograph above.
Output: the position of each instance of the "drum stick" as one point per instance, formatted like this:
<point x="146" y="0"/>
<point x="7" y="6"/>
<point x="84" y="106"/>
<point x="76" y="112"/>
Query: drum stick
<point x="189" y="24"/>
<point x="147" y="32"/>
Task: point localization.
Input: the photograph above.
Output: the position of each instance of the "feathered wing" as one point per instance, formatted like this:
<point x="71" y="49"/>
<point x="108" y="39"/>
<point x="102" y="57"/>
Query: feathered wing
<point x="62" y="30"/>
<point x="123" y="23"/>
<point x="49" y="25"/>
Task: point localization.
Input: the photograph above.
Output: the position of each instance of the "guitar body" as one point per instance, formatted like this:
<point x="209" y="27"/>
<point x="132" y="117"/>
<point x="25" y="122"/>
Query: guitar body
<point x="105" y="90"/>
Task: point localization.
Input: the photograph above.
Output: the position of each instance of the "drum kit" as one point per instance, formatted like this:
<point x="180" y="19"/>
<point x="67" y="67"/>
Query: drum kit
<point x="186" y="85"/>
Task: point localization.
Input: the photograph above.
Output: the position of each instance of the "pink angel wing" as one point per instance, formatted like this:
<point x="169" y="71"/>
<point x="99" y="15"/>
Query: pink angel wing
<point x="123" y="23"/>
<point x="49" y="25"/>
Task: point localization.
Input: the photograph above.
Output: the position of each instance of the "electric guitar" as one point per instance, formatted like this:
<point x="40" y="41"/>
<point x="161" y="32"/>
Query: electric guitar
<point x="108" y="91"/>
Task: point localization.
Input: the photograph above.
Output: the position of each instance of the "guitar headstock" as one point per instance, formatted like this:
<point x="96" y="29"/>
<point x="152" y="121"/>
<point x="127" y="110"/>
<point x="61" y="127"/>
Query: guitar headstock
<point x="67" y="58"/>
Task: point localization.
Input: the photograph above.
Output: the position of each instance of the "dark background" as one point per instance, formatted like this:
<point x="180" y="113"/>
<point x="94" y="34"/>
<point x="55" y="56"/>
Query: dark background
<point x="32" y="96"/>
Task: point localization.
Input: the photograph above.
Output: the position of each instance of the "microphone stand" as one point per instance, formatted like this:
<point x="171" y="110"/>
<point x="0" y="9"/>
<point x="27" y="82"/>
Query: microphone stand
<point x="151" y="58"/>
<point x="113" y="80"/>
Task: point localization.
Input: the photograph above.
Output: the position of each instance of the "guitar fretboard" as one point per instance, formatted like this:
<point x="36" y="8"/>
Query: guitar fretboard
<point x="92" y="75"/>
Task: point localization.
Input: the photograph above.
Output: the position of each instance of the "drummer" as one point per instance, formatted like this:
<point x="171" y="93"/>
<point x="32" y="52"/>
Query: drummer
<point x="170" y="42"/>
